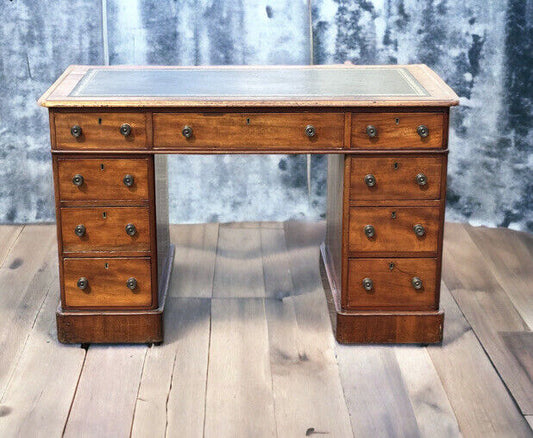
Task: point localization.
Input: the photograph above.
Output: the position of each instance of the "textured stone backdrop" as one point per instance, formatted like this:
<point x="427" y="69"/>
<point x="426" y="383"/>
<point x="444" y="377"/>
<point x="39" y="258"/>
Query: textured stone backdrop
<point x="484" y="50"/>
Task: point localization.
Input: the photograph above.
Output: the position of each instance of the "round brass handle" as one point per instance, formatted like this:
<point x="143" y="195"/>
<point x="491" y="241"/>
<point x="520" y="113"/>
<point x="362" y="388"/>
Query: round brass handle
<point x="423" y="131"/>
<point x="417" y="283"/>
<point x="80" y="230"/>
<point x="370" y="231"/>
<point x="371" y="131"/>
<point x="131" y="283"/>
<point x="419" y="230"/>
<point x="77" y="180"/>
<point x="83" y="283"/>
<point x="368" y="284"/>
<point x="128" y="180"/>
<point x="310" y="131"/>
<point x="125" y="129"/>
<point x="370" y="180"/>
<point x="421" y="179"/>
<point x="131" y="230"/>
<point x="76" y="131"/>
<point x="186" y="131"/>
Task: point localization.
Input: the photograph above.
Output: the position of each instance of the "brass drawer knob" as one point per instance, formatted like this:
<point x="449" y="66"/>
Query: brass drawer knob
<point x="125" y="129"/>
<point x="128" y="180"/>
<point x="131" y="230"/>
<point x="370" y="231"/>
<point x="423" y="131"/>
<point x="368" y="284"/>
<point x="370" y="180"/>
<point x="371" y="131"/>
<point x="77" y="180"/>
<point x="131" y="283"/>
<point x="83" y="283"/>
<point x="310" y="131"/>
<point x="80" y="230"/>
<point x="76" y="131"/>
<point x="417" y="283"/>
<point x="186" y="131"/>
<point x="419" y="230"/>
<point x="421" y="179"/>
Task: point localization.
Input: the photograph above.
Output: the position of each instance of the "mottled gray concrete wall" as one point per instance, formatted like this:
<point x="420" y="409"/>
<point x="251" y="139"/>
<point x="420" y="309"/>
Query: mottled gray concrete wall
<point x="483" y="49"/>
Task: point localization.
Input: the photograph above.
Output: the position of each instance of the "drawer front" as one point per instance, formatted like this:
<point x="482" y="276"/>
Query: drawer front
<point x="400" y="177"/>
<point x="243" y="131"/>
<point x="103" y="179"/>
<point x="397" y="130"/>
<point x="393" y="284"/>
<point x="392" y="229"/>
<point x="110" y="131"/>
<point x="107" y="282"/>
<point x="105" y="229"/>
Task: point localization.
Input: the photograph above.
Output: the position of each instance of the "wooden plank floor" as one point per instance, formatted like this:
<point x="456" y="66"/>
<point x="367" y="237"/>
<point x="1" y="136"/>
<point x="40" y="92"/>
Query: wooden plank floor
<point x="249" y="350"/>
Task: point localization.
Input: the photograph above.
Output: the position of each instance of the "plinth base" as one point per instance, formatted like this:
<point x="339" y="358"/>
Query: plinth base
<point x="379" y="327"/>
<point x="107" y="327"/>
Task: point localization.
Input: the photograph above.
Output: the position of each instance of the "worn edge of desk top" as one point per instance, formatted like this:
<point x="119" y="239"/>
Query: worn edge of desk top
<point x="58" y="95"/>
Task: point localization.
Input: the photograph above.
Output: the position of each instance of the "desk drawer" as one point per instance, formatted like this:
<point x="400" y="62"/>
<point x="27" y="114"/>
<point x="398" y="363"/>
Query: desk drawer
<point x="110" y="131"/>
<point x="103" y="179"/>
<point x="107" y="282"/>
<point x="252" y="130"/>
<point x="397" y="130"/>
<point x="125" y="229"/>
<point x="396" y="283"/>
<point x="399" y="177"/>
<point x="393" y="229"/>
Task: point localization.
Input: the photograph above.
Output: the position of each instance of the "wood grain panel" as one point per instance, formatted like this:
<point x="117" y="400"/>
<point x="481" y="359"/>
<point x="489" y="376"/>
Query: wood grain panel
<point x="389" y="327"/>
<point x="105" y="229"/>
<point x="103" y="179"/>
<point x="396" y="177"/>
<point x="392" y="284"/>
<point x="393" y="229"/>
<point x="101" y="130"/>
<point x="249" y="130"/>
<point x="107" y="282"/>
<point x="397" y="130"/>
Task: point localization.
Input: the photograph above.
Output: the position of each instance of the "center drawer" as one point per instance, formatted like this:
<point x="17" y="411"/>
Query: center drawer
<point x="125" y="229"/>
<point x="107" y="282"/>
<point x="393" y="229"/>
<point x="259" y="130"/>
<point x="92" y="179"/>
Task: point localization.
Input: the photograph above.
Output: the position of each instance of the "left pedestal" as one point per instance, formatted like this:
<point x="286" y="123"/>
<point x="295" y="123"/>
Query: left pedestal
<point x="115" y="258"/>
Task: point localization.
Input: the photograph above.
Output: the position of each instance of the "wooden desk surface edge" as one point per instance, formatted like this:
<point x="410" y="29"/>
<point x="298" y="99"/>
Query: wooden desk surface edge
<point x="57" y="96"/>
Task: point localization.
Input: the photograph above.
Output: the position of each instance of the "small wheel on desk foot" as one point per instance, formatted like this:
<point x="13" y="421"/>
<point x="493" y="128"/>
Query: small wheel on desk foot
<point x="153" y="344"/>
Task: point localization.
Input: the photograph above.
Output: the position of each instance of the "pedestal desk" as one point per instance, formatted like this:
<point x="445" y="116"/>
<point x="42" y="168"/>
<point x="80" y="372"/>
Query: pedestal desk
<point x="385" y="129"/>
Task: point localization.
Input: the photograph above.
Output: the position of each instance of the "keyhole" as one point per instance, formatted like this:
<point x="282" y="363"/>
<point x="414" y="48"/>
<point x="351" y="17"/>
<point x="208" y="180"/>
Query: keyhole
<point x="102" y="166"/>
<point x="247" y="121"/>
<point x="397" y="121"/>
<point x="99" y="121"/>
<point x="396" y="165"/>
<point x="391" y="266"/>
<point x="393" y="215"/>
<point x="106" y="265"/>
<point x="104" y="215"/>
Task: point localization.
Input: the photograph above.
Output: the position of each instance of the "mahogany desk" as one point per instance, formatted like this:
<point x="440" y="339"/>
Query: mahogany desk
<point x="385" y="129"/>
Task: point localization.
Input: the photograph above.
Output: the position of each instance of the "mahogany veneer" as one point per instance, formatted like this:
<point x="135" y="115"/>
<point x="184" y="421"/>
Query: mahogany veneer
<point x="385" y="128"/>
